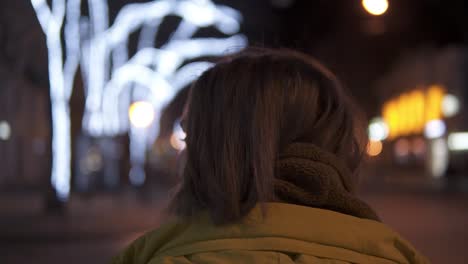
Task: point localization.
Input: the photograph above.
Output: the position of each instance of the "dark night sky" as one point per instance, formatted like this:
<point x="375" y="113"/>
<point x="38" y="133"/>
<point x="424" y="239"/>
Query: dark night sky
<point x="354" y="44"/>
<point x="335" y="31"/>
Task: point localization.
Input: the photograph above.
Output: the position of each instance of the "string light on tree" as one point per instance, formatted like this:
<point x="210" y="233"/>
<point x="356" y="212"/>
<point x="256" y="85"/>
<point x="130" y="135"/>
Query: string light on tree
<point x="111" y="75"/>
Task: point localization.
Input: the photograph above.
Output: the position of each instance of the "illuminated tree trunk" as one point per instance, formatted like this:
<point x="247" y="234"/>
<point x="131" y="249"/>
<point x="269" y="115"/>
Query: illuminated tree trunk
<point x="61" y="77"/>
<point x="98" y="46"/>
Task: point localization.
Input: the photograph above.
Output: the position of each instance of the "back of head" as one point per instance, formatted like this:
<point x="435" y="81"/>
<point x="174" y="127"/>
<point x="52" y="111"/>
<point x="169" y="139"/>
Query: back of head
<point x="243" y="112"/>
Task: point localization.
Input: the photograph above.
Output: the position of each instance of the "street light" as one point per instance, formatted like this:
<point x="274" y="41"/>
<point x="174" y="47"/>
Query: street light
<point x="375" y="7"/>
<point x="450" y="105"/>
<point x="5" y="130"/>
<point x="458" y="141"/>
<point x="374" y="148"/>
<point x="378" y="129"/>
<point x="435" y="129"/>
<point x="141" y="114"/>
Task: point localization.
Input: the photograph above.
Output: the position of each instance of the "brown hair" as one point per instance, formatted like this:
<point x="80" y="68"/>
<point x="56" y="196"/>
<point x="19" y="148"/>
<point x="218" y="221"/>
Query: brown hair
<point x="240" y="115"/>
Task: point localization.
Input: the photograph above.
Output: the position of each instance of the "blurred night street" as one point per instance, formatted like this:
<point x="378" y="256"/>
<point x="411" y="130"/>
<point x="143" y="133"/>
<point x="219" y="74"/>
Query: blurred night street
<point x="94" y="99"/>
<point x="434" y="220"/>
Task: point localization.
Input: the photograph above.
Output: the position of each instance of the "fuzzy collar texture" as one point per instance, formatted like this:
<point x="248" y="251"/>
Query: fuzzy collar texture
<point x="312" y="177"/>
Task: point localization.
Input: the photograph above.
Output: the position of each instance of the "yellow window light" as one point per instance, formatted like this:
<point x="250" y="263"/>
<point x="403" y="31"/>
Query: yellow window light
<point x="390" y="115"/>
<point x="435" y="95"/>
<point x="418" y="108"/>
<point x="404" y="114"/>
<point x="409" y="113"/>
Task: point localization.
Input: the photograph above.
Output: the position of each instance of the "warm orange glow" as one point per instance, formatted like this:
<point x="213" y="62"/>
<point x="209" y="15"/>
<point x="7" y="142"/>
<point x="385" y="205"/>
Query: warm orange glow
<point x="411" y="117"/>
<point x="374" y="148"/>
<point x="404" y="114"/>
<point x="410" y="112"/>
<point x="435" y="95"/>
<point x="390" y="115"/>
<point x="418" y="110"/>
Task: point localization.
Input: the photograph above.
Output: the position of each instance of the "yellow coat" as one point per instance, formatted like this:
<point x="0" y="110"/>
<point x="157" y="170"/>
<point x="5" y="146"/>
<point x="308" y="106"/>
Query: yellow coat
<point x="287" y="234"/>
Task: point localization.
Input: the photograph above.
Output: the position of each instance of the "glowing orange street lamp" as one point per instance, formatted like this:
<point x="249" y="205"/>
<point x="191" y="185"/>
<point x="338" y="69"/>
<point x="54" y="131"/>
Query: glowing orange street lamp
<point x="374" y="148"/>
<point x="375" y="7"/>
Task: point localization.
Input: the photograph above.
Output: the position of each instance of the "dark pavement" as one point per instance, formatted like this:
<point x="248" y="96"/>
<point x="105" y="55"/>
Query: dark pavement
<point x="91" y="231"/>
<point x="96" y="228"/>
<point x="431" y="214"/>
<point x="435" y="224"/>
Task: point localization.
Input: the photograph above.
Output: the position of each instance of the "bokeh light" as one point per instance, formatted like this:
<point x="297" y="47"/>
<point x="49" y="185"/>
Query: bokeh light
<point x="402" y="148"/>
<point x="141" y="114"/>
<point x="418" y="146"/>
<point x="458" y="141"/>
<point x="435" y="129"/>
<point x="450" y="105"/>
<point x="412" y="112"/>
<point x="5" y="130"/>
<point x="439" y="157"/>
<point x="92" y="162"/>
<point x="374" y="148"/>
<point x="378" y="129"/>
<point x="375" y="7"/>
